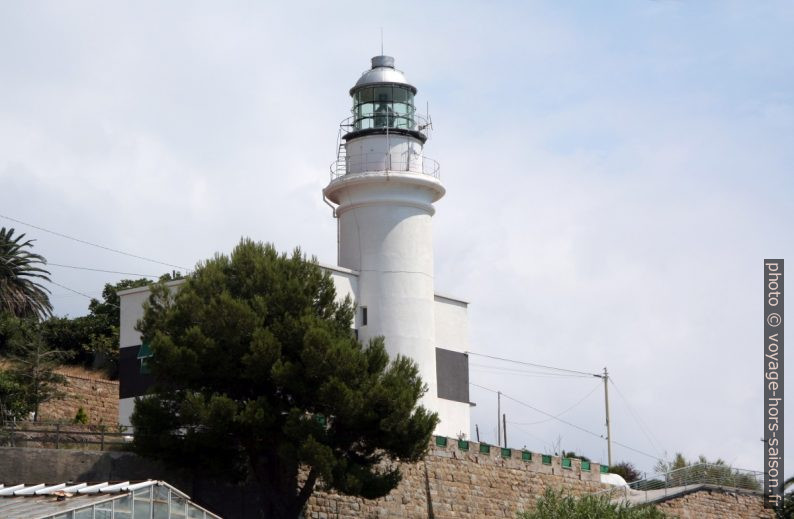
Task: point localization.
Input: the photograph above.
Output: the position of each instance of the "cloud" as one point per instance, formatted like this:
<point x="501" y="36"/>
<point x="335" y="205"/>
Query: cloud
<point x="614" y="177"/>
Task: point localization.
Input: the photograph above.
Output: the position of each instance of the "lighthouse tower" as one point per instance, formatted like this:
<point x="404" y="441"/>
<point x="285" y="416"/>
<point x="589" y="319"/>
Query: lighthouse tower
<point x="383" y="189"/>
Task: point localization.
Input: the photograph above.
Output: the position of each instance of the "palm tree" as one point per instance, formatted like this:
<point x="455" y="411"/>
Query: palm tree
<point x="21" y="292"/>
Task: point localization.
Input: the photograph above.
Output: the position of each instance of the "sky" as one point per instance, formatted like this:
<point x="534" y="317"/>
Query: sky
<point x="616" y="172"/>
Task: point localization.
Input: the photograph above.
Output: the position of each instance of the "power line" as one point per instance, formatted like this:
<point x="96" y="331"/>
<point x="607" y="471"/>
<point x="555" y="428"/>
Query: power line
<point x="539" y="374"/>
<point x="102" y="270"/>
<point x="544" y="442"/>
<point x="92" y="244"/>
<point x="645" y="430"/>
<point x="598" y="384"/>
<point x="581" y="373"/>
<point x="75" y="291"/>
<point x="565" y="421"/>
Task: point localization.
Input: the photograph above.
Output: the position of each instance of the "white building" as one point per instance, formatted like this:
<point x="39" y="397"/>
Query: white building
<point x="382" y="192"/>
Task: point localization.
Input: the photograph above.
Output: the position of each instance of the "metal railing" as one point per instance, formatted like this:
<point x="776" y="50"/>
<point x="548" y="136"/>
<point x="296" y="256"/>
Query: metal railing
<point x="675" y="482"/>
<point x="393" y="121"/>
<point x="64" y="435"/>
<point x="373" y="162"/>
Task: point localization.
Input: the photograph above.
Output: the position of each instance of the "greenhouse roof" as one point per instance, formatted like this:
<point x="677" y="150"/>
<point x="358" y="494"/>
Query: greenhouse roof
<point x="106" y="500"/>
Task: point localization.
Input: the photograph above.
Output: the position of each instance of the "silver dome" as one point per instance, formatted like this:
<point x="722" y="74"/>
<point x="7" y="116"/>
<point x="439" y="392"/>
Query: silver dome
<point x="382" y="71"/>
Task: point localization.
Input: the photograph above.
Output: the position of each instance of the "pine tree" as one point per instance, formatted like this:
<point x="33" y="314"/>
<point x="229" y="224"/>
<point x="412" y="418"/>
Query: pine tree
<point x="259" y="375"/>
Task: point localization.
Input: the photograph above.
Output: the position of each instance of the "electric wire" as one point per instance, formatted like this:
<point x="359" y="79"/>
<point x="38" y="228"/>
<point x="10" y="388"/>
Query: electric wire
<point x="102" y="270"/>
<point x="539" y="374"/>
<point x="598" y="384"/>
<point x="645" y="430"/>
<point x="117" y="251"/>
<point x="580" y="373"/>
<point x="578" y="427"/>
<point x="78" y="292"/>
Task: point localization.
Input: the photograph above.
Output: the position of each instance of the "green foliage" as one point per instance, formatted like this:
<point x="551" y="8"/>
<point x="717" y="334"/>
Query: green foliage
<point x="573" y="455"/>
<point x="683" y="472"/>
<point x="556" y="505"/>
<point x="33" y="363"/>
<point x="626" y="470"/>
<point x="14" y="404"/>
<point x="81" y="417"/>
<point x="93" y="338"/>
<point x="21" y="291"/>
<point x="259" y="375"/>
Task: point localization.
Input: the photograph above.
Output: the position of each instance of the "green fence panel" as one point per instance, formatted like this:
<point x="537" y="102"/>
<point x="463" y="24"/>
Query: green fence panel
<point x="441" y="441"/>
<point x="463" y="445"/>
<point x="603" y="469"/>
<point x="546" y="459"/>
<point x="506" y="453"/>
<point x="566" y="463"/>
<point x="485" y="448"/>
<point x="586" y="466"/>
<point x="526" y="456"/>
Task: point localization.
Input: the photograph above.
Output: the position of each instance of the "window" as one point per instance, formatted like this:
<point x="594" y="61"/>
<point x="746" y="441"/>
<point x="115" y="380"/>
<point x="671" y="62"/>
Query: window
<point x="103" y="511"/>
<point x="194" y="512"/>
<point x="383" y="107"/>
<point x="122" y="507"/>
<point x="143" y="503"/>
<point x="144" y="354"/>
<point x="363" y="316"/>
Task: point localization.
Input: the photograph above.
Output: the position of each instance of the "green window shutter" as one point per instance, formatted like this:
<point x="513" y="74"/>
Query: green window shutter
<point x="603" y="469"/>
<point x="586" y="466"/>
<point x="546" y="459"/>
<point x="441" y="441"/>
<point x="145" y="351"/>
<point x="506" y="453"/>
<point x="485" y="448"/>
<point x="566" y="463"/>
<point x="144" y="354"/>
<point x="463" y="445"/>
<point x="526" y="456"/>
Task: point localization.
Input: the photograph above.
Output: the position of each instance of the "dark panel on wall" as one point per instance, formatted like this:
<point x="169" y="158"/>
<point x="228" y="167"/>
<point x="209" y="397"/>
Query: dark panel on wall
<point x="131" y="381"/>
<point x="452" y="375"/>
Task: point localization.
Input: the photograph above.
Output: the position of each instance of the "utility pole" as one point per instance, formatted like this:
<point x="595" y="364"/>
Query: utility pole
<point x="498" y="417"/>
<point x="477" y="430"/>
<point x="606" y="403"/>
<point x="504" y="428"/>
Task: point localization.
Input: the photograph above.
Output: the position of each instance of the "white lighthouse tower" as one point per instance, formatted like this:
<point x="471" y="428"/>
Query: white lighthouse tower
<point x="383" y="189"/>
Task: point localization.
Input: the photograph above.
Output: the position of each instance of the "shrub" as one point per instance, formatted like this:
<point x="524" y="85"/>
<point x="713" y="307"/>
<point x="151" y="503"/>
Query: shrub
<point x="556" y="505"/>
<point x="81" y="417"/>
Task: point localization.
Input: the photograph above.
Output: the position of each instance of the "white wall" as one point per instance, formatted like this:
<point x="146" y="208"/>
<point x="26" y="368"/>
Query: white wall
<point x="452" y="323"/>
<point x="452" y="333"/>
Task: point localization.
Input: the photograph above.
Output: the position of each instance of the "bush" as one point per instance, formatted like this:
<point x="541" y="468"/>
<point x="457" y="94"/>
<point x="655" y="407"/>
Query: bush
<point x="555" y="505"/>
<point x="625" y="470"/>
<point x="81" y="417"/>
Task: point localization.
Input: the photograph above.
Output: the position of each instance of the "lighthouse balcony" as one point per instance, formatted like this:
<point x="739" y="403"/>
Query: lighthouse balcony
<point x="385" y="162"/>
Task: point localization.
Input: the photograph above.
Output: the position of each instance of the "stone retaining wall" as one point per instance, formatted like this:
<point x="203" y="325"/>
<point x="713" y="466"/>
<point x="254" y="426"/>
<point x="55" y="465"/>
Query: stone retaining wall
<point x="716" y="503"/>
<point x="99" y="399"/>
<point x="464" y="485"/>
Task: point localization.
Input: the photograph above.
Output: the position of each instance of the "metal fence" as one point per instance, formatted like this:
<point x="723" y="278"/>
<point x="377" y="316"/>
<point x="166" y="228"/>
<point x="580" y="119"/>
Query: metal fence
<point x="373" y="162"/>
<point x="675" y="482"/>
<point x="64" y="435"/>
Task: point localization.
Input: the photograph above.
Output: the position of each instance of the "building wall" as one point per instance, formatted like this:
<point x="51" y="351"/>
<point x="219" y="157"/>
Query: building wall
<point x="99" y="399"/>
<point x="131" y="311"/>
<point x="452" y="323"/>
<point x="451" y="332"/>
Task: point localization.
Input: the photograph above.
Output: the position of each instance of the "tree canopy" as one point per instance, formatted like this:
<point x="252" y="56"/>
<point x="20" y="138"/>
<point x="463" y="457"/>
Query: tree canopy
<point x="21" y="273"/>
<point x="259" y="375"/>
